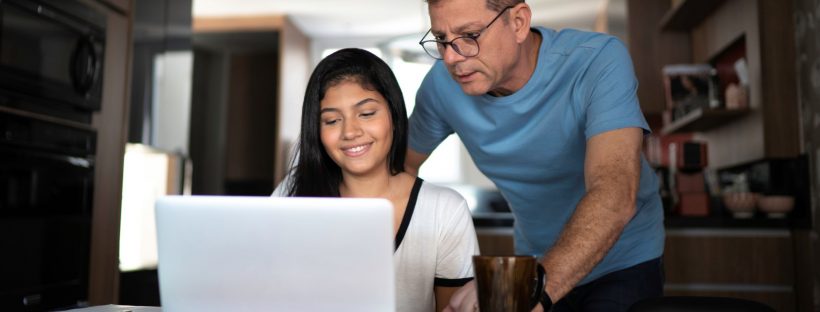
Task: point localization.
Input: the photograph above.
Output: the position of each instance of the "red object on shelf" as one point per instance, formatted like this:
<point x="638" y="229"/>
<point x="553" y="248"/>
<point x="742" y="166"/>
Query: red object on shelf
<point x="695" y="204"/>
<point x="690" y="182"/>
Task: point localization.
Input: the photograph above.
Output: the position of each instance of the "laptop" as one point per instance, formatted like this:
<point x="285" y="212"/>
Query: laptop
<point x="230" y="253"/>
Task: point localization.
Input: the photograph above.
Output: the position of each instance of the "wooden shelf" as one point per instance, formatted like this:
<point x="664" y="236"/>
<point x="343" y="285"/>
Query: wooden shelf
<point x="688" y="14"/>
<point x="703" y="119"/>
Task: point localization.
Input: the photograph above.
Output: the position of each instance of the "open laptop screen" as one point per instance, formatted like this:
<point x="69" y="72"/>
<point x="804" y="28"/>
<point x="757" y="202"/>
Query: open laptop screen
<point x="229" y="253"/>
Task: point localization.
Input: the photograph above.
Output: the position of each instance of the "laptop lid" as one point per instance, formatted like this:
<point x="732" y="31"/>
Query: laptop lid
<point x="230" y="253"/>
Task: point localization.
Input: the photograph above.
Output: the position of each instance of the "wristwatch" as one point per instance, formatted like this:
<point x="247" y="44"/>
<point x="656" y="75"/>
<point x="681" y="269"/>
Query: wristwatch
<point x="545" y="300"/>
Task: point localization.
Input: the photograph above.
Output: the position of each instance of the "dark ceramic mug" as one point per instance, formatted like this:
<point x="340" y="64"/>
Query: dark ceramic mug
<point x="508" y="283"/>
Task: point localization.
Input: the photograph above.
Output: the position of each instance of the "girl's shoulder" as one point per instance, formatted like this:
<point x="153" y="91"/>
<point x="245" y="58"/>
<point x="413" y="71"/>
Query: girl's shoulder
<point x="441" y="198"/>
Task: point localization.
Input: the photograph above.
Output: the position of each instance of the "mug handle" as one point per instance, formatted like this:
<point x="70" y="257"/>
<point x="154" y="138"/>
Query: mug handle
<point x="535" y="298"/>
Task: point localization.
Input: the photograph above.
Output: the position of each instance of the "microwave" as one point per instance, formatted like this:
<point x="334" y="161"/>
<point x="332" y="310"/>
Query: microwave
<point x="51" y="57"/>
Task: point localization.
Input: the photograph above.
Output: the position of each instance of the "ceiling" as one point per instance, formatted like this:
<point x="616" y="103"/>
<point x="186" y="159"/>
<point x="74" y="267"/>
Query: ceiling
<point x="383" y="18"/>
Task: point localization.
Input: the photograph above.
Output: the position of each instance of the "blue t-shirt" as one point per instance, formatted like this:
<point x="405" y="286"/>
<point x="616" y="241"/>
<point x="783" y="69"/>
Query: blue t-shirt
<point x="532" y="143"/>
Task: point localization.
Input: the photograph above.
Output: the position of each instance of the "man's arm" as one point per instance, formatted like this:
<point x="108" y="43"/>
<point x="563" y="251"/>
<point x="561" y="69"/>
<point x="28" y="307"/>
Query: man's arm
<point x="611" y="174"/>
<point x="413" y="161"/>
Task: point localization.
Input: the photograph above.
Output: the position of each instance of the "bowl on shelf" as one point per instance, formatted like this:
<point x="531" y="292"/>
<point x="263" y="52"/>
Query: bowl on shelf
<point x="775" y="206"/>
<point x="741" y="204"/>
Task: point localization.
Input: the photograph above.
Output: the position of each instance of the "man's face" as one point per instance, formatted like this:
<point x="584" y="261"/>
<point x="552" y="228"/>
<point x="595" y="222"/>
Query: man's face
<point x="486" y="71"/>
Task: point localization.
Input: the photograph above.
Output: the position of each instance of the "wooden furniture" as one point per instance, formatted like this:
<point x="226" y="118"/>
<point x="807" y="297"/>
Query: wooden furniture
<point x="495" y="241"/>
<point x="755" y="264"/>
<point x="697" y="31"/>
<point x="246" y="101"/>
<point x="111" y="123"/>
<point x="760" y="263"/>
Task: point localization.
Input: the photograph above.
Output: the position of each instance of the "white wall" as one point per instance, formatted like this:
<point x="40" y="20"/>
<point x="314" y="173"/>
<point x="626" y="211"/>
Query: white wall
<point x="295" y="67"/>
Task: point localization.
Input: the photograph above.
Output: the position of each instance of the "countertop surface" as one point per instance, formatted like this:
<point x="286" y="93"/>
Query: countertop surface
<point x="118" y="308"/>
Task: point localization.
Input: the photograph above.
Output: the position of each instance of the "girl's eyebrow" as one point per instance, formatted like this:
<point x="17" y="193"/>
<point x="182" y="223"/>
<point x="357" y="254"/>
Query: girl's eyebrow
<point x="359" y="103"/>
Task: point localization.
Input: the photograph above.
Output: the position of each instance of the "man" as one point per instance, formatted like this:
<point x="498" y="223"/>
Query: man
<point x="553" y="120"/>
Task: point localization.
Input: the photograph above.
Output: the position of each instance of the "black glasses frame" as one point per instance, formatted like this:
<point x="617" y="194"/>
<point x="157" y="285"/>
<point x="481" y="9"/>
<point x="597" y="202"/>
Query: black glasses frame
<point x="451" y="43"/>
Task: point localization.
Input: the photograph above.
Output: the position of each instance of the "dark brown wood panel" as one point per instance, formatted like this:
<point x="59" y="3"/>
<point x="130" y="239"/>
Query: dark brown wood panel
<point x="111" y="123"/>
<point x="729" y="260"/>
<point x="779" y="79"/>
<point x="804" y="274"/>
<point x="779" y="301"/>
<point x="495" y="244"/>
<point x="651" y="49"/>
<point x="688" y="14"/>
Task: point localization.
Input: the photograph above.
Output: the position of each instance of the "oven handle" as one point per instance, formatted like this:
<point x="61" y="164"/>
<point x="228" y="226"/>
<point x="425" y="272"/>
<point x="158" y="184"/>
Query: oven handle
<point x="32" y="154"/>
<point x="84" y="65"/>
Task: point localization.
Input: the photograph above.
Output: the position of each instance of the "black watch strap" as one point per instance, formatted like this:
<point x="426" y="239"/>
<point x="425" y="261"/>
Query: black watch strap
<point x="544" y="300"/>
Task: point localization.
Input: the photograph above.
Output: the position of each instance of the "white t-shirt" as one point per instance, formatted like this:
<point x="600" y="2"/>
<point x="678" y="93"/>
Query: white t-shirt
<point x="436" y="242"/>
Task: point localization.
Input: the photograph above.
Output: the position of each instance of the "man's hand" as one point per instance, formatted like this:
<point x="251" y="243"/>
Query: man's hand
<point x="464" y="300"/>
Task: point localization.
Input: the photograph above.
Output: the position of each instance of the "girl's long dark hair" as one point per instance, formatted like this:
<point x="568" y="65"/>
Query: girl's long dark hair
<point x="315" y="173"/>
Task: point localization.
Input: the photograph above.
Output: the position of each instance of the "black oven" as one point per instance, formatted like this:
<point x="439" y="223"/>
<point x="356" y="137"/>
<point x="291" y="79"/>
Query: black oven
<point x="51" y="57"/>
<point x="46" y="187"/>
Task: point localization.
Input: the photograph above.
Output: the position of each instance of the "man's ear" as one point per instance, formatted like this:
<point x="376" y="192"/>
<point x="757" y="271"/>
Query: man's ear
<point x="521" y="16"/>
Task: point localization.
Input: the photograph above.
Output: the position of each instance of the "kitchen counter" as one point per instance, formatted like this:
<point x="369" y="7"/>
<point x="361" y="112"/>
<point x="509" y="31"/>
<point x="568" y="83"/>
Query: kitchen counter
<point x="487" y="206"/>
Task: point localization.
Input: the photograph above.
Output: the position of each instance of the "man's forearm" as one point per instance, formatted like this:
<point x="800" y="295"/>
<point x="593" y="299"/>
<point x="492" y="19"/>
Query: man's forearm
<point x="592" y="230"/>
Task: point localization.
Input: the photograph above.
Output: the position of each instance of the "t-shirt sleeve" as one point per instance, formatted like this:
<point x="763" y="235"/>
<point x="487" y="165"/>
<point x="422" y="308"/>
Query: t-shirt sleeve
<point x="457" y="246"/>
<point x="612" y="101"/>
<point x="427" y="127"/>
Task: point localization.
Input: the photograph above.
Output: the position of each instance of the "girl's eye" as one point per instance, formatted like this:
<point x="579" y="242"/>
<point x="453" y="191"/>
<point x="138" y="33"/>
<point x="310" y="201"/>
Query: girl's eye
<point x="368" y="114"/>
<point x="330" y="122"/>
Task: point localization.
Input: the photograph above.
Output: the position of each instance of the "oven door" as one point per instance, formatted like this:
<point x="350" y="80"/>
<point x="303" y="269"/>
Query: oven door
<point x="45" y="227"/>
<point x="51" y="51"/>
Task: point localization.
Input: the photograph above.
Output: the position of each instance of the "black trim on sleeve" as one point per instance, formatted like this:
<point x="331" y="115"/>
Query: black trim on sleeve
<point x="454" y="282"/>
<point x="408" y="213"/>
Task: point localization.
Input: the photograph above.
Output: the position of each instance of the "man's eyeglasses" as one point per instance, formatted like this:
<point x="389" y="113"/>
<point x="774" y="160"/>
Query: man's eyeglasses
<point x="466" y="46"/>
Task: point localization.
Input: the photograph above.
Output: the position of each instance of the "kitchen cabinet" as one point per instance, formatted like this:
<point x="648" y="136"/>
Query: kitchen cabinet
<point x="650" y="49"/>
<point x="121" y="6"/>
<point x="698" y="31"/>
<point x="495" y="241"/>
<point x="250" y="75"/>
<point x="686" y="14"/>
<point x="755" y="264"/>
<point x="111" y="123"/>
<point x="703" y="119"/>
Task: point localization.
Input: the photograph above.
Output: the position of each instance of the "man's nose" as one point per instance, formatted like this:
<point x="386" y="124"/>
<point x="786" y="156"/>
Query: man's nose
<point x="450" y="56"/>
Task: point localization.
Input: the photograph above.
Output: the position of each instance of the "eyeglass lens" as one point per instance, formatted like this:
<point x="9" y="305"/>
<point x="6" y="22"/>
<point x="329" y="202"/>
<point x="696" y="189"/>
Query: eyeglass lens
<point x="465" y="46"/>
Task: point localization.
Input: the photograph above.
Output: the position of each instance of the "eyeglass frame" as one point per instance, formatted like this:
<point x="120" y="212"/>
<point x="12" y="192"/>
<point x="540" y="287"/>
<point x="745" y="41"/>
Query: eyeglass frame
<point x="455" y="47"/>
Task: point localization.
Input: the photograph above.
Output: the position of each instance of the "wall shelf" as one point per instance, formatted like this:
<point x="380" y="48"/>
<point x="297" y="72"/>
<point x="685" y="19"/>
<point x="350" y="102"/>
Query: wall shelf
<point x="688" y="14"/>
<point x="703" y="119"/>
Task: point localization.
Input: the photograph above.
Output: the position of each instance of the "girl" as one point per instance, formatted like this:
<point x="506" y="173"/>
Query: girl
<point x="352" y="144"/>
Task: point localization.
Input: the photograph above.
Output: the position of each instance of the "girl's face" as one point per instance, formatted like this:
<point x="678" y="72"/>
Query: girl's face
<point x="355" y="128"/>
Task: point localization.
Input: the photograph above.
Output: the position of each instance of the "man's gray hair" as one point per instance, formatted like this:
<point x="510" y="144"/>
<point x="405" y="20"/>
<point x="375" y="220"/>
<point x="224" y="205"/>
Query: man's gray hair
<point x="495" y="5"/>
